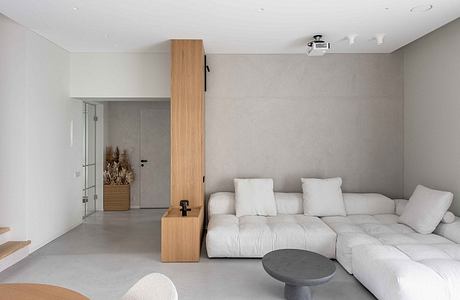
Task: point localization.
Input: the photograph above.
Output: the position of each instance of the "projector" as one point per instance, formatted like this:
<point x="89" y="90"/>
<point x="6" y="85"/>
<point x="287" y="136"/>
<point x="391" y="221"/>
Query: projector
<point x="318" y="47"/>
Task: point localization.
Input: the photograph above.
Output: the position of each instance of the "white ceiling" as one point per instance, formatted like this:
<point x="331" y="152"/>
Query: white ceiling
<point x="229" y="26"/>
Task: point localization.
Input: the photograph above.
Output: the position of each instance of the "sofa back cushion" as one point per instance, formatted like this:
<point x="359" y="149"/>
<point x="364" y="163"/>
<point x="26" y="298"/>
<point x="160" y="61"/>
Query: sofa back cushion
<point x="425" y="209"/>
<point x="254" y="197"/>
<point x="289" y="203"/>
<point x="368" y="204"/>
<point x="223" y="203"/>
<point x="448" y="217"/>
<point x="323" y="197"/>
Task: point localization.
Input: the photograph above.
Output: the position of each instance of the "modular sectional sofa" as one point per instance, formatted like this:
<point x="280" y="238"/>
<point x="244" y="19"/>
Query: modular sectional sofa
<point x="390" y="259"/>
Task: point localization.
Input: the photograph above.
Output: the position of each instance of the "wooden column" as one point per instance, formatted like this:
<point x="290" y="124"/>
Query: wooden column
<point x="187" y="122"/>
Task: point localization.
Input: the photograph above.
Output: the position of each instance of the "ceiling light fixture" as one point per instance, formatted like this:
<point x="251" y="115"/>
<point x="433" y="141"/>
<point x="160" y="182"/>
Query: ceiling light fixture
<point x="379" y="37"/>
<point x="75" y="8"/>
<point x="261" y="9"/>
<point x="351" y="38"/>
<point x="421" y="8"/>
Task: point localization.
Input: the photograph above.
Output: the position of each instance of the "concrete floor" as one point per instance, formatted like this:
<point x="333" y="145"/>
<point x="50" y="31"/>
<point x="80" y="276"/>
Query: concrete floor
<point x="109" y="252"/>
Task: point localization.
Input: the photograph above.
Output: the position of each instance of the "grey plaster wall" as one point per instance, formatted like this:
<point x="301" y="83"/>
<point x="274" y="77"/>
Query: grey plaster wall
<point x="122" y="129"/>
<point x="293" y="116"/>
<point x="431" y="112"/>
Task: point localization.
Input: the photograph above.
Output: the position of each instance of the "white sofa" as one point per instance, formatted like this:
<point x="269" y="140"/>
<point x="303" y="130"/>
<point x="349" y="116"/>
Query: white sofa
<point x="390" y="259"/>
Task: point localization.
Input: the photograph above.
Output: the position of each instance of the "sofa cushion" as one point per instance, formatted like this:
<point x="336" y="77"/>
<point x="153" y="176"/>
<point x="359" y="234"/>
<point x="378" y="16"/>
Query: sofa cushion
<point x="254" y="236"/>
<point x="323" y="197"/>
<point x="289" y="203"/>
<point x="367" y="204"/>
<point x="355" y="231"/>
<point x="222" y="203"/>
<point x="254" y="197"/>
<point x="425" y="209"/>
<point x="392" y="275"/>
<point x="448" y="217"/>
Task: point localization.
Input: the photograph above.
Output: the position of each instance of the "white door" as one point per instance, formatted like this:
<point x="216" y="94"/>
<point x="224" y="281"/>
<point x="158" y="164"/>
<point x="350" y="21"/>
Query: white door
<point x="155" y="158"/>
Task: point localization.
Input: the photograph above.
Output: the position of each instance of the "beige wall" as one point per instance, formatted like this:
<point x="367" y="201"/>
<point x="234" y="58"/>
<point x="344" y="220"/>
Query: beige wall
<point x="293" y="116"/>
<point x="431" y="112"/>
<point x="119" y="75"/>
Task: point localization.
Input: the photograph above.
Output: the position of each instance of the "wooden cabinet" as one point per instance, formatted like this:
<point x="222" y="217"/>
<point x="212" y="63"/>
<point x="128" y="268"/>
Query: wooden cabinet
<point x="187" y="122"/>
<point x="181" y="236"/>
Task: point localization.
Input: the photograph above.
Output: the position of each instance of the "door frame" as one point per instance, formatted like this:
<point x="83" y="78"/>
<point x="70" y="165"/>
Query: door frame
<point x="86" y="202"/>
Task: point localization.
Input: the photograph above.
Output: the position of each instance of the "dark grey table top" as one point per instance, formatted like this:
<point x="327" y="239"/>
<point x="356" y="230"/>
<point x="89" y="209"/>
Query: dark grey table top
<point x="298" y="267"/>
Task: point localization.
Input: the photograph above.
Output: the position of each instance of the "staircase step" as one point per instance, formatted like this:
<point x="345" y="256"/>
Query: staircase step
<point x="11" y="247"/>
<point x="4" y="230"/>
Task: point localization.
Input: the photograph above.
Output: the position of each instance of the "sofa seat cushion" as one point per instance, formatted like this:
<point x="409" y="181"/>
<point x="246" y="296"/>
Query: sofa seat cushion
<point x="409" y="272"/>
<point x="254" y="236"/>
<point x="359" y="230"/>
<point x="390" y="274"/>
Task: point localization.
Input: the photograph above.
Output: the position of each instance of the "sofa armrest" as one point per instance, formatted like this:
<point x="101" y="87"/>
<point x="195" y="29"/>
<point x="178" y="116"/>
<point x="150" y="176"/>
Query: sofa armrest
<point x="400" y="205"/>
<point x="222" y="203"/>
<point x="450" y="231"/>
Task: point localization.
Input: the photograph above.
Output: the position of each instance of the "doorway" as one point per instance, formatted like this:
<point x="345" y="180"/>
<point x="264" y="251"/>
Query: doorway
<point x="89" y="159"/>
<point x="142" y="129"/>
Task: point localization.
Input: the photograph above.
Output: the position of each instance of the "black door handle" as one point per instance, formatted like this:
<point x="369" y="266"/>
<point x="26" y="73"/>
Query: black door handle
<point x="144" y="160"/>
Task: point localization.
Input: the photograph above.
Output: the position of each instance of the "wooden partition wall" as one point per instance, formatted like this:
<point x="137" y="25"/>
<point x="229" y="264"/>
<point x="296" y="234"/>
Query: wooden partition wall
<point x="181" y="236"/>
<point x="187" y="122"/>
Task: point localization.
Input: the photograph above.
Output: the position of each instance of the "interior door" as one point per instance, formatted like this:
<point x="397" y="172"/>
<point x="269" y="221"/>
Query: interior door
<point x="155" y="158"/>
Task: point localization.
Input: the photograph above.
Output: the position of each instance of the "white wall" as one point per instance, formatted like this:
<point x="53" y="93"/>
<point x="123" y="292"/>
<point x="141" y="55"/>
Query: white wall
<point x="13" y="96"/>
<point x="120" y="75"/>
<point x="431" y="112"/>
<point x="293" y="116"/>
<point x="43" y="197"/>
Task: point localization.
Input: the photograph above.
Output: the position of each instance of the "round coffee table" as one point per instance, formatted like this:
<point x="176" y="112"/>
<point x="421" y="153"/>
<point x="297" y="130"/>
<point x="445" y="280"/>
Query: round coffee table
<point x="298" y="269"/>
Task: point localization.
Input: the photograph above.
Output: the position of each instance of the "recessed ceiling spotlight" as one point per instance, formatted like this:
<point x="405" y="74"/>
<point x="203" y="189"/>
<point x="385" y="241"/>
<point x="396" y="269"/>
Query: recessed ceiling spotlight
<point x="421" y="8"/>
<point x="75" y="8"/>
<point x="351" y="38"/>
<point x="261" y="9"/>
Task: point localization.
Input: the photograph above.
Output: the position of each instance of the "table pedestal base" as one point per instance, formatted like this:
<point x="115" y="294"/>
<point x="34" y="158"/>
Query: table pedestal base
<point x="294" y="292"/>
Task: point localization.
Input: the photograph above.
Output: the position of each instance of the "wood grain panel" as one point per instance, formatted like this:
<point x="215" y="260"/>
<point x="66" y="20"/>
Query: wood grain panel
<point x="116" y="197"/>
<point x="181" y="236"/>
<point x="187" y="122"/>
<point x="11" y="247"/>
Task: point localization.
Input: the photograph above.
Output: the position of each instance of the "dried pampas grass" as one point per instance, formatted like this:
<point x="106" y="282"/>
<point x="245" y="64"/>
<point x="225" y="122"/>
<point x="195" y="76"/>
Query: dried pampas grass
<point x="118" y="170"/>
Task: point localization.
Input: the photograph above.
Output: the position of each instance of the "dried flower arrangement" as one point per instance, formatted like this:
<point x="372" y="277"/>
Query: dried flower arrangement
<point x="117" y="170"/>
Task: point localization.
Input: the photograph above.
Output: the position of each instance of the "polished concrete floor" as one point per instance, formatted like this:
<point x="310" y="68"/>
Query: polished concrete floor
<point x="110" y="251"/>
